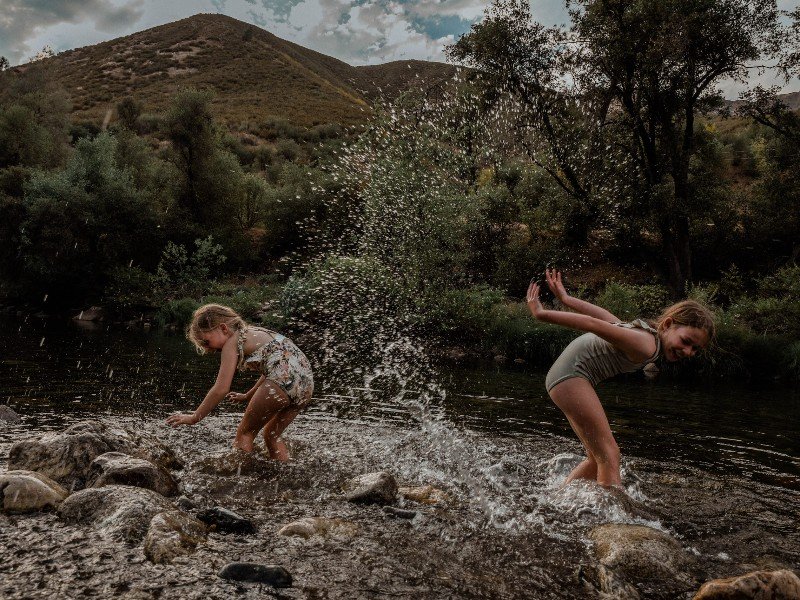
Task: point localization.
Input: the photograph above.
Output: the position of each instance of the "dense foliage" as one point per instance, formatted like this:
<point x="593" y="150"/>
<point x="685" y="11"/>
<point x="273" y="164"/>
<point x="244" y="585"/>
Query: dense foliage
<point x="432" y="217"/>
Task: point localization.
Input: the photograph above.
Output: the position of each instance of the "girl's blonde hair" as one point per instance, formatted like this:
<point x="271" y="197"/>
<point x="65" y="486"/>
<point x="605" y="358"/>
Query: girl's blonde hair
<point x="691" y="314"/>
<point x="209" y="317"/>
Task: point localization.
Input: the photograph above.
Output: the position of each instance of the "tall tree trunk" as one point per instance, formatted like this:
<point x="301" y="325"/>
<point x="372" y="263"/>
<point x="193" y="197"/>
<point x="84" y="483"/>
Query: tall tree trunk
<point x="676" y="252"/>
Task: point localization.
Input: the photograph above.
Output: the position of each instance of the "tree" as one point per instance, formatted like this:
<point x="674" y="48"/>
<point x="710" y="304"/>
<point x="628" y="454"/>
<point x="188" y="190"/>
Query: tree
<point x="129" y="111"/>
<point x="4" y="64"/>
<point x="621" y="89"/>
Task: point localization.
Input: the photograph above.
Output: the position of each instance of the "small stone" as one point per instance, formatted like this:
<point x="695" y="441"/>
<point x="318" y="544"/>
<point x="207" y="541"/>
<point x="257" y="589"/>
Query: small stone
<point x="185" y="503"/>
<point x="323" y="526"/>
<point x="373" y="488"/>
<point x="226" y="521"/>
<point x="778" y="585"/>
<point x="425" y="494"/>
<point x="399" y="513"/>
<point x="27" y="491"/>
<point x="9" y="415"/>
<point x="273" y="575"/>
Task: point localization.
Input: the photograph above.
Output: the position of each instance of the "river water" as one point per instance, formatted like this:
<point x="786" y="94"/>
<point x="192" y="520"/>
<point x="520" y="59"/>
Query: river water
<point x="716" y="466"/>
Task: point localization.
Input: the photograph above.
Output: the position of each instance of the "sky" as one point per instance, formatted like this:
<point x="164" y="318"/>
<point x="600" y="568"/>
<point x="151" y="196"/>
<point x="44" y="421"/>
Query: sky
<point x="358" y="32"/>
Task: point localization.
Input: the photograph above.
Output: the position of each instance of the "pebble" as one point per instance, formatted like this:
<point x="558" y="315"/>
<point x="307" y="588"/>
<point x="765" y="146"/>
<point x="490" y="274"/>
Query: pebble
<point x="399" y="513"/>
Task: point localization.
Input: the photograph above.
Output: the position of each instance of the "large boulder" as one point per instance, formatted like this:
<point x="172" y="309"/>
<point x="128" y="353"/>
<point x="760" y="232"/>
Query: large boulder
<point x="764" y="585"/>
<point x="171" y="534"/>
<point x="635" y="556"/>
<point x="26" y="491"/>
<point x="119" y="511"/>
<point x="66" y="456"/>
<point x="116" y="468"/>
<point x="372" y="488"/>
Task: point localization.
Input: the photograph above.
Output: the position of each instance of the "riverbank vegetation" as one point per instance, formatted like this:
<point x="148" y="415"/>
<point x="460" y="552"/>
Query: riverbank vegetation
<point x="435" y="213"/>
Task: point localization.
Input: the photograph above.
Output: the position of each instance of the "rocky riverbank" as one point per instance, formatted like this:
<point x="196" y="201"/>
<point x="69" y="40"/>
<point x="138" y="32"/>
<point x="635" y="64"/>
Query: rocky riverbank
<point x="105" y="509"/>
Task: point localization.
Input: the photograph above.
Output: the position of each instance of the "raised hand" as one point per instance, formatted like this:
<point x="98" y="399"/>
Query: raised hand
<point x="556" y="286"/>
<point x="534" y="304"/>
<point x="237" y="397"/>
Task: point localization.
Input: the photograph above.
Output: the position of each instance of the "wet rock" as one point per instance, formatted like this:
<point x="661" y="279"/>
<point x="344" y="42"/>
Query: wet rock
<point x="27" y="491"/>
<point x="649" y="559"/>
<point x="237" y="462"/>
<point x="777" y="585"/>
<point x="119" y="511"/>
<point x="185" y="503"/>
<point x="93" y="313"/>
<point x="425" y="494"/>
<point x="399" y="513"/>
<point x="373" y="488"/>
<point x="226" y="521"/>
<point x="322" y="526"/>
<point x="8" y="415"/>
<point x="270" y="574"/>
<point x="66" y="456"/>
<point x="172" y="534"/>
<point x="116" y="468"/>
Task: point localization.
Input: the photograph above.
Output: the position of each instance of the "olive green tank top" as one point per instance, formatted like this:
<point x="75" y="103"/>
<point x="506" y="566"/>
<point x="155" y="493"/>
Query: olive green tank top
<point x="593" y="358"/>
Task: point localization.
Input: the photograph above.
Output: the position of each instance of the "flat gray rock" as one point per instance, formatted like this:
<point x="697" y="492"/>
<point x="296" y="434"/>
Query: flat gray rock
<point x="66" y="456"/>
<point x="119" y="511"/>
<point x="27" y="491"/>
<point x="116" y="468"/>
<point x="171" y="534"/>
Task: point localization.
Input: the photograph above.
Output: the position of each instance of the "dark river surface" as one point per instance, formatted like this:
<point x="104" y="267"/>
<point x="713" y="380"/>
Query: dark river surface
<point x="716" y="466"/>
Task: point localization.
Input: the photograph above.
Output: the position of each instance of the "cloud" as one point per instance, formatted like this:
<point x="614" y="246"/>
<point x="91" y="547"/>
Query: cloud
<point x="22" y="20"/>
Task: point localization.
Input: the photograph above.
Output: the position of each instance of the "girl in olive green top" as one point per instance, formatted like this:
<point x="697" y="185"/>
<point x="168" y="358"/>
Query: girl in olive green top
<point x="608" y="348"/>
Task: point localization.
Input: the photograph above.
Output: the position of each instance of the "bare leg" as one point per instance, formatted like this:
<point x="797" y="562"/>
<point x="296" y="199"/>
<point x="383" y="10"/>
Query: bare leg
<point x="266" y="403"/>
<point x="579" y="402"/>
<point x="274" y="428"/>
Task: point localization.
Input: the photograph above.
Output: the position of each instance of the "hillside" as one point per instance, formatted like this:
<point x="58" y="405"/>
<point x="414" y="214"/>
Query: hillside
<point x="253" y="73"/>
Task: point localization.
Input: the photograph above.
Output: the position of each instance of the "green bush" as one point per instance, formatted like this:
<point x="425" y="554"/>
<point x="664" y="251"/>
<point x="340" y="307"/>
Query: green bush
<point x="177" y="312"/>
<point x="460" y="315"/>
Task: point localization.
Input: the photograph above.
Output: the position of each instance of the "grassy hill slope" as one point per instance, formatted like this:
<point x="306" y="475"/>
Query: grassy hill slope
<point x="254" y="74"/>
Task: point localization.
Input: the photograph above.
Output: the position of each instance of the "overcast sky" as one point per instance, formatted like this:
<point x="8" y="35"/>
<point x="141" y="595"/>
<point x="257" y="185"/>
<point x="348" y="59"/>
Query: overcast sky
<point x="356" y="31"/>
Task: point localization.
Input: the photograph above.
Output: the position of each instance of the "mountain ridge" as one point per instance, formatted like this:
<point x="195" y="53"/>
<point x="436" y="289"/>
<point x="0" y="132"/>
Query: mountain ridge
<point x="253" y="73"/>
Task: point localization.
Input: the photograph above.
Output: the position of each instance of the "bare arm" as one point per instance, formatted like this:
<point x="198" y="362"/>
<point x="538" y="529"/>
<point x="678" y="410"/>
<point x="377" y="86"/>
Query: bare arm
<point x="227" y="368"/>
<point x="586" y="308"/>
<point x="237" y="397"/>
<point x="637" y="344"/>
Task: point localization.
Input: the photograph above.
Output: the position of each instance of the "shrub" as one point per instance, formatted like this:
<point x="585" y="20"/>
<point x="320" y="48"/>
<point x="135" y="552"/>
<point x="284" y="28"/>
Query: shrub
<point x="628" y="301"/>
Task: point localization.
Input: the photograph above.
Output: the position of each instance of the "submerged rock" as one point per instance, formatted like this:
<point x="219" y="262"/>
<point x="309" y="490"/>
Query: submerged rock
<point x="270" y="574"/>
<point x="322" y="526"/>
<point x="116" y="468"/>
<point x="775" y="585"/>
<point x="425" y="494"/>
<point x="119" y="511"/>
<point x="172" y="533"/>
<point x="8" y="415"/>
<point x="66" y="456"/>
<point x="93" y="313"/>
<point x="649" y="559"/>
<point x="226" y="521"/>
<point x="27" y="491"/>
<point x="373" y="488"/>
<point x="399" y="513"/>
